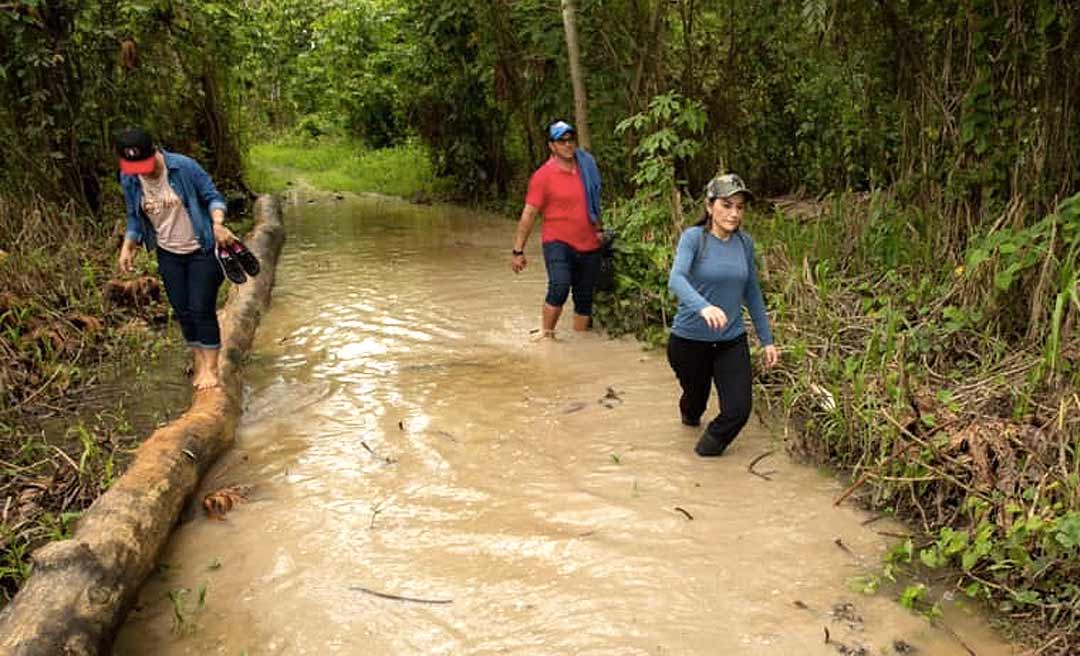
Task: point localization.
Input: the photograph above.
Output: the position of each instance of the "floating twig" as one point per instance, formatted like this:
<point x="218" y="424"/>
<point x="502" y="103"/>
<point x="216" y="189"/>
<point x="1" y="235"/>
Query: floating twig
<point x="573" y="407"/>
<point x="890" y="534"/>
<point x="875" y="518"/>
<point x="394" y="597"/>
<point x="947" y="629"/>
<point x="385" y="459"/>
<point x="610" y="399"/>
<point x="685" y="512"/>
<point x="840" y="543"/>
<point x="375" y="510"/>
<point x="851" y="488"/>
<point x="764" y="475"/>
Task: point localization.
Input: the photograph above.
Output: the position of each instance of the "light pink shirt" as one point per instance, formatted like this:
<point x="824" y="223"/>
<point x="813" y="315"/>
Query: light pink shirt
<point x="175" y="233"/>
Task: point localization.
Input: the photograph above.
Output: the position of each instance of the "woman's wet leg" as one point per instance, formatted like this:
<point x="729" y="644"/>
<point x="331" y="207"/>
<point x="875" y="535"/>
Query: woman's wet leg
<point x="692" y="363"/>
<point x="733" y="378"/>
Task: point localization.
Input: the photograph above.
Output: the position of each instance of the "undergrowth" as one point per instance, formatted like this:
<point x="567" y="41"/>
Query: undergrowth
<point x="67" y="327"/>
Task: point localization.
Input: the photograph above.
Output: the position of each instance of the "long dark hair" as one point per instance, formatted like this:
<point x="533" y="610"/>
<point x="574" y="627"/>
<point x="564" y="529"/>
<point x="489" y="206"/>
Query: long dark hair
<point x="705" y="224"/>
<point x="704" y="220"/>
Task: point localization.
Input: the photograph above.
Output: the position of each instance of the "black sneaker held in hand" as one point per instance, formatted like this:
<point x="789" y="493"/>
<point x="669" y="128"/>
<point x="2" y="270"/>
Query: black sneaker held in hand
<point x="246" y="258"/>
<point x="231" y="266"/>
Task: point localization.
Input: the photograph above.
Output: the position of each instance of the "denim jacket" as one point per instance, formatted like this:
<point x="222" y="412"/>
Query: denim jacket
<point x="195" y="189"/>
<point x="590" y="177"/>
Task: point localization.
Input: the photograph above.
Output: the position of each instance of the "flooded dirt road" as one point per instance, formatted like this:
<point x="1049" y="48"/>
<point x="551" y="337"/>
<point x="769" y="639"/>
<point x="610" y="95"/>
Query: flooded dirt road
<point x="427" y="479"/>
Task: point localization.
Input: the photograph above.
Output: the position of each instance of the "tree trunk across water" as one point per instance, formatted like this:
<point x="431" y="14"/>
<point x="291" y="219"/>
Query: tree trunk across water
<point x="81" y="588"/>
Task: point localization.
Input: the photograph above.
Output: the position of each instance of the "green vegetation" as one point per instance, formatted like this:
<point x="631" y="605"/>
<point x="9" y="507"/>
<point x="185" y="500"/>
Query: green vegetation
<point x="336" y="165"/>
<point x="66" y="328"/>
<point x="185" y="612"/>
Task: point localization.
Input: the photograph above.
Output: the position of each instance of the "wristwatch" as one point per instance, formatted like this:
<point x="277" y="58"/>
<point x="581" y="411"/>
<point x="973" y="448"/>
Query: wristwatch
<point x="516" y="252"/>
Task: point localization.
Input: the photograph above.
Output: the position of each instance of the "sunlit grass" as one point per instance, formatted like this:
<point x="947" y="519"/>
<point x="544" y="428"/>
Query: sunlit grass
<point x="340" y="165"/>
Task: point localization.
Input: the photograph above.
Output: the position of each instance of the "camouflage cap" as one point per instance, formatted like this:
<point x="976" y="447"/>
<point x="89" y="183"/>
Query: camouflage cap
<point x="726" y="186"/>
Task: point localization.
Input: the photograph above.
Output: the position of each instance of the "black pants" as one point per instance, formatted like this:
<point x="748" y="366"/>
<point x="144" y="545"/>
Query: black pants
<point x="698" y="365"/>
<point x="191" y="283"/>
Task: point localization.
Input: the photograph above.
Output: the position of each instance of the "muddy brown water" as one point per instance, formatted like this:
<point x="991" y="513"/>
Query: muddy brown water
<point x="428" y="479"/>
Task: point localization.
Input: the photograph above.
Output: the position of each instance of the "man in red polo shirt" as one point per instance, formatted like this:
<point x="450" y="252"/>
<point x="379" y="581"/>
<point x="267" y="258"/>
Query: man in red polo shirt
<point x="565" y="190"/>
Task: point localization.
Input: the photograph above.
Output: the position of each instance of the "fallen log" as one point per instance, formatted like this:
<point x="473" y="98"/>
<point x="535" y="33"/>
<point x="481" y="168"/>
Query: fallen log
<point x="81" y="588"/>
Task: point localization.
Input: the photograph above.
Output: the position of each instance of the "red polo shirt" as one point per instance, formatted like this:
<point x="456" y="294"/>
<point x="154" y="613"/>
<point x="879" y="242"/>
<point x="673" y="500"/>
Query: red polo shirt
<point x="560" y="197"/>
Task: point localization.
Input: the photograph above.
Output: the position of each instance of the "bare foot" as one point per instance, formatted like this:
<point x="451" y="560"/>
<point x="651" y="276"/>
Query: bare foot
<point x="543" y="334"/>
<point x="205" y="381"/>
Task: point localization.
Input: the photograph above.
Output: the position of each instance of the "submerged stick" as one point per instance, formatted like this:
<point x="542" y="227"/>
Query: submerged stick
<point x="750" y="467"/>
<point x="854" y="486"/>
<point x="685" y="512"/>
<point x="394" y="597"/>
<point x="955" y="636"/>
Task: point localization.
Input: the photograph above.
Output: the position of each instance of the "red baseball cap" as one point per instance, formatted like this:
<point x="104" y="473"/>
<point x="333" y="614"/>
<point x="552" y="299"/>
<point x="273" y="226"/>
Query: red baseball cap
<point x="136" y="150"/>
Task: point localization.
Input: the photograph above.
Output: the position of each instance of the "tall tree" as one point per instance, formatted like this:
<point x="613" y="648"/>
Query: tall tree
<point x="581" y="109"/>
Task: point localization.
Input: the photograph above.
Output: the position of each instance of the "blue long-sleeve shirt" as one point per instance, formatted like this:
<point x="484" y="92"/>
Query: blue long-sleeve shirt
<point x="724" y="275"/>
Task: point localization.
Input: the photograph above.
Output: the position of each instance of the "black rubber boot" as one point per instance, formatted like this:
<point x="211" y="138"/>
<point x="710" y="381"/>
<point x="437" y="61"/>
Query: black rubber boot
<point x="709" y="447"/>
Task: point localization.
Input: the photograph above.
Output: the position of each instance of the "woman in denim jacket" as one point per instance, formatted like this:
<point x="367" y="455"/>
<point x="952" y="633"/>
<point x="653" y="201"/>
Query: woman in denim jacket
<point x="174" y="208"/>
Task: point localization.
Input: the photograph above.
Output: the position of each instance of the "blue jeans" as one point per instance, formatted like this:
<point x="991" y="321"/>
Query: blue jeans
<point x="191" y="283"/>
<point x="568" y="268"/>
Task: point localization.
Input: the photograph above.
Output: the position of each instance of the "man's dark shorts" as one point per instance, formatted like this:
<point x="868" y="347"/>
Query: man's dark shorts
<point x="567" y="269"/>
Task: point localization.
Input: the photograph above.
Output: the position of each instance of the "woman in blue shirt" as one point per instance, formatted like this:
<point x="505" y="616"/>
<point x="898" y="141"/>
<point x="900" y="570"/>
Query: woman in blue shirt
<point x="713" y="276"/>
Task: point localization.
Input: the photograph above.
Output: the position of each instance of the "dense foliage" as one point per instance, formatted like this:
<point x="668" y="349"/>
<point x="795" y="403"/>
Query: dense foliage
<point x="72" y="72"/>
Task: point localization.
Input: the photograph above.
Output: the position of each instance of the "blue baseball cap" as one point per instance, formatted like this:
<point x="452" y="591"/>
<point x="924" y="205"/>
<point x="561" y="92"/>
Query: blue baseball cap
<point x="558" y="129"/>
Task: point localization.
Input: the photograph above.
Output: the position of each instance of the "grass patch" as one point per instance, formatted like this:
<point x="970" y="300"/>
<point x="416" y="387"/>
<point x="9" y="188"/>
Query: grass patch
<point x="341" y="165"/>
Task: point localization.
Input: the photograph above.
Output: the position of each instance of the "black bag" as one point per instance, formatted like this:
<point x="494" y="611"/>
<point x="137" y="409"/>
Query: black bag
<point x="605" y="280"/>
